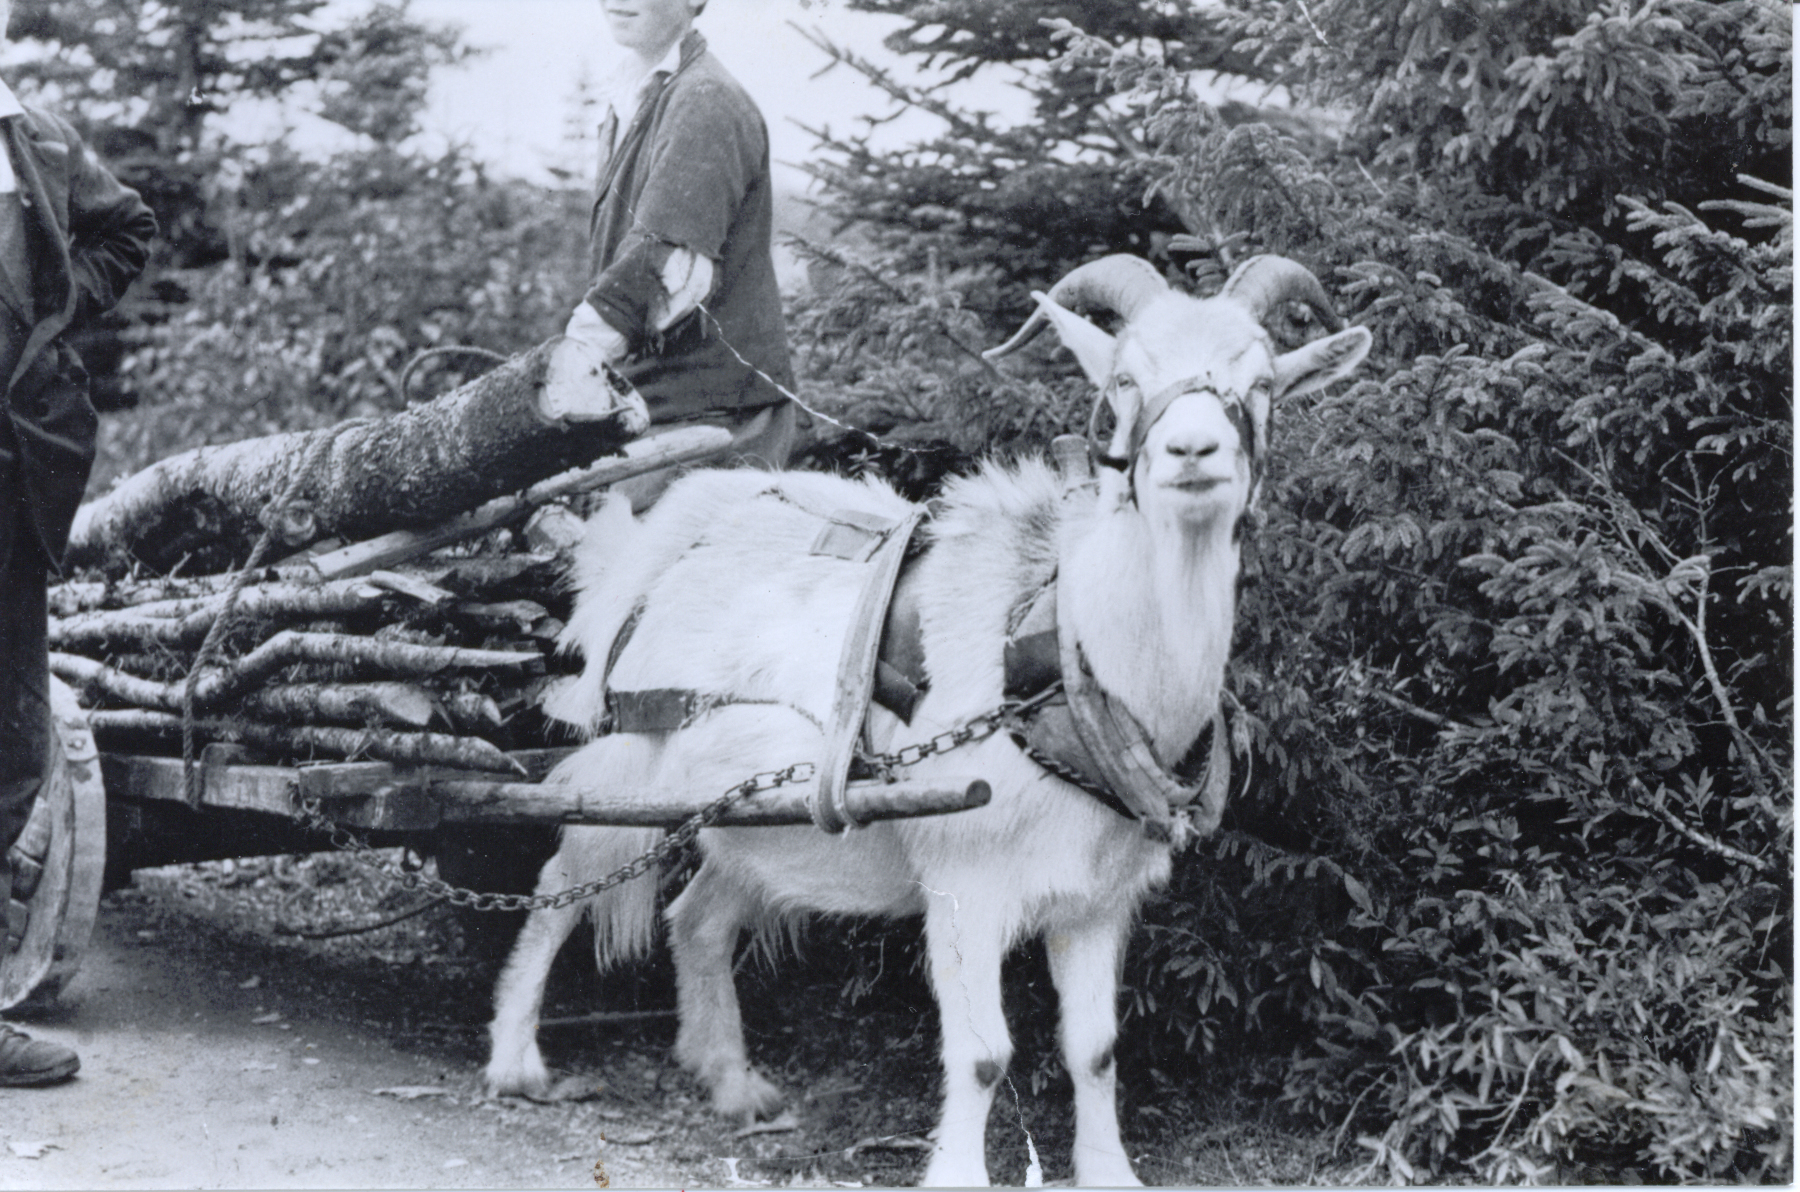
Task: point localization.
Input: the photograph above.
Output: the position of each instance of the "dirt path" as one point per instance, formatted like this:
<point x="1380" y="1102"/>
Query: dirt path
<point x="218" y="1052"/>
<point x="209" y="1064"/>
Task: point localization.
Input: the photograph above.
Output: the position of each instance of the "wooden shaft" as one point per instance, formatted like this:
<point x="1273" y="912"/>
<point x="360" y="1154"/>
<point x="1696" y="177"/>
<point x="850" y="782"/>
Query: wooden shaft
<point x="380" y="795"/>
<point x="524" y="802"/>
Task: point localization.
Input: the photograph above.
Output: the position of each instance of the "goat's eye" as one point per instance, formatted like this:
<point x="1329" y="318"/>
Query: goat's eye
<point x="1123" y="383"/>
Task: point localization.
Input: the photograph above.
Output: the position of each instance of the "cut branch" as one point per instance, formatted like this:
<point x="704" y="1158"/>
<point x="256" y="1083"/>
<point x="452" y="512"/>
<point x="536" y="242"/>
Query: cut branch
<point x="89" y="675"/>
<point x="185" y="622"/>
<point x="419" y="749"/>
<point x="79" y="596"/>
<point x="342" y="703"/>
<point x="646" y="455"/>
<point x="393" y="658"/>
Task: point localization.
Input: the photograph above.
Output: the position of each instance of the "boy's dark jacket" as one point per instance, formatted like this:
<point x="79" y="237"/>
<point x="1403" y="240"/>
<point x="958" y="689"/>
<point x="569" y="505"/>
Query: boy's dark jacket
<point x="87" y="237"/>
<point x="693" y="171"/>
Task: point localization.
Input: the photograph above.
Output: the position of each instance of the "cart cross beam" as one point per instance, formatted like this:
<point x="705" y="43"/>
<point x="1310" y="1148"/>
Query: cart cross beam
<point x="380" y="796"/>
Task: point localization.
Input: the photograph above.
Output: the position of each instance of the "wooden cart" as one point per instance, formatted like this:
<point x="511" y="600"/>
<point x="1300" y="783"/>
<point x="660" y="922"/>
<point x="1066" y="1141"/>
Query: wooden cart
<point x="103" y="815"/>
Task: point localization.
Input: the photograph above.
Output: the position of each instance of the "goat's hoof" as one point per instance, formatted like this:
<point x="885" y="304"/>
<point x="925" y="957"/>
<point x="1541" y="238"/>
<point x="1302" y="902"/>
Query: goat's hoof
<point x="526" y="1078"/>
<point x="743" y="1094"/>
<point x="1114" y="1172"/>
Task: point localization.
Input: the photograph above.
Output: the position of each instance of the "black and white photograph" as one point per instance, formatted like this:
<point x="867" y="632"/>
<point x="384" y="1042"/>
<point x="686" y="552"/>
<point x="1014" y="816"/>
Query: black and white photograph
<point x="881" y="593"/>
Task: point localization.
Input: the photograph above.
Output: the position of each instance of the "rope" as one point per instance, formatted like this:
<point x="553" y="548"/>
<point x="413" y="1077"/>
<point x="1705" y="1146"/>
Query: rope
<point x="321" y="441"/>
<point x="453" y="350"/>
<point x="339" y="932"/>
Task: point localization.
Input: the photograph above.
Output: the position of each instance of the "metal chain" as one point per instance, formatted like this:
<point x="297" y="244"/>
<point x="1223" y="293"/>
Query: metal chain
<point x="311" y="814"/>
<point x="976" y="728"/>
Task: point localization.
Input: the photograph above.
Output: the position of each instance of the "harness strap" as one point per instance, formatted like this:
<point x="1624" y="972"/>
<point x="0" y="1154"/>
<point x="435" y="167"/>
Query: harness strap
<point x="856" y="675"/>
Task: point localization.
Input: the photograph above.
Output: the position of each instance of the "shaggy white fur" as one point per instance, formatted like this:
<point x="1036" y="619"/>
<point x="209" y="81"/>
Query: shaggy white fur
<point x="734" y="605"/>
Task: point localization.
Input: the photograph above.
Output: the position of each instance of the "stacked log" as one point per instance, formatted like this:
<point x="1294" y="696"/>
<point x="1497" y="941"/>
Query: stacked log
<point x="428" y="644"/>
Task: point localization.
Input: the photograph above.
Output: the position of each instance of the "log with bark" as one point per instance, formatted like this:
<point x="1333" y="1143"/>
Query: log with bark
<point x="541" y="412"/>
<point x="184" y="622"/>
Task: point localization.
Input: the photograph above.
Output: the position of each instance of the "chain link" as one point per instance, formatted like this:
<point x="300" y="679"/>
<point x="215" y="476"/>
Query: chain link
<point x="976" y="728"/>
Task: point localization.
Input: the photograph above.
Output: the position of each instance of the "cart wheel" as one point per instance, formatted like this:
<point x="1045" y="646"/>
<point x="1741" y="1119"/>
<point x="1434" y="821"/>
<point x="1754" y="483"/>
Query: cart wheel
<point x="59" y="862"/>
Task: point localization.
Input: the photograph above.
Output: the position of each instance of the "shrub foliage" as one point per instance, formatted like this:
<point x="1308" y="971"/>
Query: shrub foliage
<point x="1511" y="885"/>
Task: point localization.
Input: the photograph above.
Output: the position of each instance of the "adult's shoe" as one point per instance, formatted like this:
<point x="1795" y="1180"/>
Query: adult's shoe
<point x="26" y="1062"/>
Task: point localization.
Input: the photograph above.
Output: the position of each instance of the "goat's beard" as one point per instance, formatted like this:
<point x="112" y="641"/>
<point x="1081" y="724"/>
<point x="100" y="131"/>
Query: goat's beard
<point x="1158" y="647"/>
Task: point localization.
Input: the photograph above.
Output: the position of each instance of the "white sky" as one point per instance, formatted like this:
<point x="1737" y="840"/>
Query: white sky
<point x="514" y="105"/>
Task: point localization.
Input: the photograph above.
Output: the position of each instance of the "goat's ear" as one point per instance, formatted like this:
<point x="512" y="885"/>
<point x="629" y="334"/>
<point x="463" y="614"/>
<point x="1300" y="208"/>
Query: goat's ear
<point x="1092" y="346"/>
<point x="1320" y="362"/>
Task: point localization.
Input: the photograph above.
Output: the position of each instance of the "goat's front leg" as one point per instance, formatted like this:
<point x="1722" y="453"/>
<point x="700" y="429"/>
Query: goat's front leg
<point x="1084" y="963"/>
<point x="964" y="942"/>
<point x="704" y="925"/>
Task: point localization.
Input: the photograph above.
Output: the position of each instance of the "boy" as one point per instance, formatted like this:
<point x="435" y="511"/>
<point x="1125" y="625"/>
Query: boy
<point x="684" y="301"/>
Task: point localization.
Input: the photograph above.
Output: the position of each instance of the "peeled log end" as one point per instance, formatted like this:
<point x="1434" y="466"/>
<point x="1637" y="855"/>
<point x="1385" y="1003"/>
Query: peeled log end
<point x="580" y="387"/>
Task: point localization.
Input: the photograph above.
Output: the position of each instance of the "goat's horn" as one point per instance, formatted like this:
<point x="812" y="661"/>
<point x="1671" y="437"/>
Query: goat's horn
<point x="1120" y="283"/>
<point x="1264" y="282"/>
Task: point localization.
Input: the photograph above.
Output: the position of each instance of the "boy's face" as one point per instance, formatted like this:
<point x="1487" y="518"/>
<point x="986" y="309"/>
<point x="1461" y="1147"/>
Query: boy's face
<point x="644" y="26"/>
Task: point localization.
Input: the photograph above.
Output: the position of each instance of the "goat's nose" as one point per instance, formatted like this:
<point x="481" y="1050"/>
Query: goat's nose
<point x="1192" y="444"/>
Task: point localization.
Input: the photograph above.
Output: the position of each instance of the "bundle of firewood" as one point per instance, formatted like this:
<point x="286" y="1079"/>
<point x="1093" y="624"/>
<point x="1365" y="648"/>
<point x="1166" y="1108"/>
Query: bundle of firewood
<point x="428" y="644"/>
<point x="430" y="664"/>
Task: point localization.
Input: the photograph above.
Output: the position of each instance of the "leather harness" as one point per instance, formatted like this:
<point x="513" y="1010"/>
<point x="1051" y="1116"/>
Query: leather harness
<point x="1079" y="733"/>
<point x="1074" y="730"/>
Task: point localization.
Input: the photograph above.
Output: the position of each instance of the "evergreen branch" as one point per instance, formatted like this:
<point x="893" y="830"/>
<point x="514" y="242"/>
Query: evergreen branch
<point x="882" y="284"/>
<point x="960" y="125"/>
<point x="1126" y="142"/>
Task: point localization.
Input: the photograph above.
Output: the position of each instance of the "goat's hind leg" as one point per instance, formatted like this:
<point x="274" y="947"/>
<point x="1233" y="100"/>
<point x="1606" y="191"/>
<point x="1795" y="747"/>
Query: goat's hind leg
<point x="704" y="926"/>
<point x="515" y="1065"/>
<point x="624" y="920"/>
<point x="725" y="896"/>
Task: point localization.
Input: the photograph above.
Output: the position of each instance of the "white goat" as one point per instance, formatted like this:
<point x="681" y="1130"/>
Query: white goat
<point x="732" y="603"/>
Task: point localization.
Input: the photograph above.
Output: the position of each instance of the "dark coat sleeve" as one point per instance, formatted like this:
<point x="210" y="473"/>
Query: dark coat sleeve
<point x="707" y="147"/>
<point x="110" y="230"/>
<point x="101" y="230"/>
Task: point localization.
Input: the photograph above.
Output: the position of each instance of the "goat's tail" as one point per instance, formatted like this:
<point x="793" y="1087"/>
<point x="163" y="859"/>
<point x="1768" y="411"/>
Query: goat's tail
<point x="624" y="917"/>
